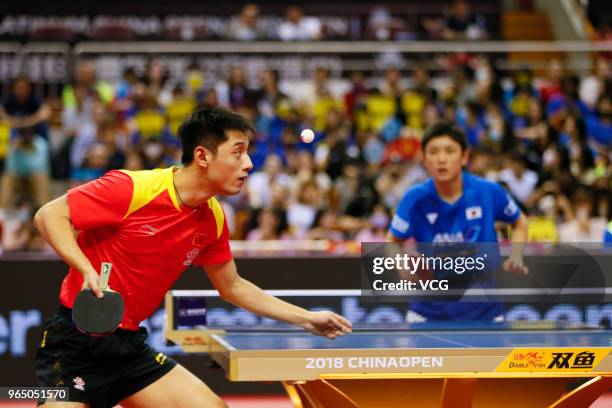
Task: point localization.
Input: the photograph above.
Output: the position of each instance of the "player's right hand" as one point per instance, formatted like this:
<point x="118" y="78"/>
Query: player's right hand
<point x="516" y="264"/>
<point x="92" y="281"/>
<point x="327" y="324"/>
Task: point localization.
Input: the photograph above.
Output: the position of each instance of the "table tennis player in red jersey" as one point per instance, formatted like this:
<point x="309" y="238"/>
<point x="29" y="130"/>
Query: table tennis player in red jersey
<point x="151" y="225"/>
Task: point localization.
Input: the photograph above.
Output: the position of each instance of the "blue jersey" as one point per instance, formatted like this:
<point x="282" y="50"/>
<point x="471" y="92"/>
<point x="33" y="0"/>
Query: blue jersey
<point x="425" y="217"/>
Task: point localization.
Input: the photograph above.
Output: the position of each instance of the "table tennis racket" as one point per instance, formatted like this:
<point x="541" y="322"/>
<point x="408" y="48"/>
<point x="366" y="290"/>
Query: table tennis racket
<point x="95" y="316"/>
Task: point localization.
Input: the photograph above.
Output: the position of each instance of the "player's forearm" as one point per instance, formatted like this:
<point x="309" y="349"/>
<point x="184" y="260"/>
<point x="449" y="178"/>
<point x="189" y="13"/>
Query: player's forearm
<point x="519" y="230"/>
<point x="54" y="225"/>
<point x="248" y="296"/>
<point x="518" y="235"/>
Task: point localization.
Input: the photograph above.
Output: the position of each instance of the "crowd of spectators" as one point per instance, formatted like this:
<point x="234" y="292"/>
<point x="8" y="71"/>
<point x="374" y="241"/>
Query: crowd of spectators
<point x="457" y="22"/>
<point x="547" y="140"/>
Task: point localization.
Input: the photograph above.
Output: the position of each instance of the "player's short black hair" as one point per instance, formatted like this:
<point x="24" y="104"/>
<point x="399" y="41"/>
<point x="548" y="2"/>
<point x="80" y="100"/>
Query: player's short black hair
<point x="207" y="127"/>
<point x="444" y="128"/>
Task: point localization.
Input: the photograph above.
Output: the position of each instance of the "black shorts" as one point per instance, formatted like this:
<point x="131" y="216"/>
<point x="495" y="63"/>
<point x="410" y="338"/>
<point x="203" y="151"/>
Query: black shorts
<point x="99" y="371"/>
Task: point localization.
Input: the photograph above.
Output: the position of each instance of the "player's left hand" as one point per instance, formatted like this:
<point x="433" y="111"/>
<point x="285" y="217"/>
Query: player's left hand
<point x="516" y="264"/>
<point x="327" y="324"/>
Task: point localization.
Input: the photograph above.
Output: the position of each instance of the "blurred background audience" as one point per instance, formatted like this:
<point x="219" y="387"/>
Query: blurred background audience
<point x="546" y="135"/>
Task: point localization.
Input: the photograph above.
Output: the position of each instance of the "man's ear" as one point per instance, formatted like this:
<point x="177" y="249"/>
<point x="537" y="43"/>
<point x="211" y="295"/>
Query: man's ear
<point x="202" y="156"/>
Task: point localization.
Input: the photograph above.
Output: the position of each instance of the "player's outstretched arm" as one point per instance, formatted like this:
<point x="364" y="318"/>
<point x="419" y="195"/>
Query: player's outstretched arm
<point x="53" y="222"/>
<point x="518" y="237"/>
<point x="242" y="293"/>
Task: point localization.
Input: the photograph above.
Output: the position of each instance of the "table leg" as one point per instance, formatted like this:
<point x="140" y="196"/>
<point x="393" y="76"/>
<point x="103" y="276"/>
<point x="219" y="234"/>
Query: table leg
<point x="584" y="395"/>
<point x="317" y="394"/>
<point x="298" y="400"/>
<point x="517" y="392"/>
<point x="458" y="392"/>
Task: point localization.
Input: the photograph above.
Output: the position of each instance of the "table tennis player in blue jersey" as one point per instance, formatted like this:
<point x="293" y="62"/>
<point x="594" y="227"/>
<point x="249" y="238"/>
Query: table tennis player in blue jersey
<point x="608" y="234"/>
<point x="455" y="206"/>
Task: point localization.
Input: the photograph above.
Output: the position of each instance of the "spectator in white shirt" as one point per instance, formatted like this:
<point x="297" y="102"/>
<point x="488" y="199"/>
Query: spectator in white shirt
<point x="520" y="180"/>
<point x="298" y="27"/>
<point x="579" y="225"/>
<point x="246" y="26"/>
<point x="260" y="183"/>
<point x="592" y="87"/>
<point x="301" y="213"/>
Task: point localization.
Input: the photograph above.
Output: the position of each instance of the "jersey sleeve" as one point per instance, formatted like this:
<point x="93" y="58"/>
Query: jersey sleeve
<point x="217" y="252"/>
<point x="505" y="208"/>
<point x="103" y="201"/>
<point x="608" y="234"/>
<point x="401" y="224"/>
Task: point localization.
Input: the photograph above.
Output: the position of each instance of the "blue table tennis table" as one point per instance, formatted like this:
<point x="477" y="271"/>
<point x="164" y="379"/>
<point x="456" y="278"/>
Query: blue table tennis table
<point x="425" y="366"/>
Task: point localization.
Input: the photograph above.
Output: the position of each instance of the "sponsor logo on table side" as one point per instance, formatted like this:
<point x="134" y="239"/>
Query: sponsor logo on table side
<point x="571" y="359"/>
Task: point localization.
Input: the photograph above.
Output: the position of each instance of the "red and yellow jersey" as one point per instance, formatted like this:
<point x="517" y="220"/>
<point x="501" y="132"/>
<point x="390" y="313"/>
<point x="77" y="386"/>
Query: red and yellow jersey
<point x="133" y="220"/>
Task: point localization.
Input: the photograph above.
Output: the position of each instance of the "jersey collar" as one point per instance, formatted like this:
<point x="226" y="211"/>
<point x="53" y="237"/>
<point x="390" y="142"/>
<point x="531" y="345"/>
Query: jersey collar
<point x="446" y="204"/>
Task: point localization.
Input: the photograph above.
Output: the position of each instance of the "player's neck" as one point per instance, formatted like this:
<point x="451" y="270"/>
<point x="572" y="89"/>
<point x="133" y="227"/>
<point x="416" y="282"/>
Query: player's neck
<point x="450" y="191"/>
<point x="191" y="190"/>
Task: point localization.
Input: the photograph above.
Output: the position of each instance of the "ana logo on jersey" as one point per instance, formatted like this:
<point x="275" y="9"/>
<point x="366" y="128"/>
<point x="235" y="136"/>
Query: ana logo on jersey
<point x="472" y="234"/>
<point x="432" y="217"/>
<point x="473" y="213"/>
<point x="448" y="237"/>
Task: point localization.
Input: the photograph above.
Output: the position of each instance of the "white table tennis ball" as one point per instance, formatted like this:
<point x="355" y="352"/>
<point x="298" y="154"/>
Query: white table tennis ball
<point x="307" y="135"/>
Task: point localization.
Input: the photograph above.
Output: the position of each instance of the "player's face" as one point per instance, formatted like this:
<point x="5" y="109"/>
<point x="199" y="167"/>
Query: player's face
<point x="229" y="169"/>
<point x="444" y="159"/>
